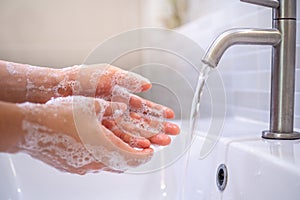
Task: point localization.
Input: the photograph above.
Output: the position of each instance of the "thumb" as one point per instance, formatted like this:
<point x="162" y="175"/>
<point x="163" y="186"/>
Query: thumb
<point x="131" y="81"/>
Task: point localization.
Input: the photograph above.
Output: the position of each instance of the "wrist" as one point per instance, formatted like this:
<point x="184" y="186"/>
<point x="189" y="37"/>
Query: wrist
<point x="42" y="84"/>
<point x="67" y="84"/>
<point x="11" y="132"/>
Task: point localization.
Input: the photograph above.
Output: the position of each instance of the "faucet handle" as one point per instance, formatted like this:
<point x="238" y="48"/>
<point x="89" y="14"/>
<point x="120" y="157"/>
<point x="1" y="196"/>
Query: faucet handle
<point x="267" y="3"/>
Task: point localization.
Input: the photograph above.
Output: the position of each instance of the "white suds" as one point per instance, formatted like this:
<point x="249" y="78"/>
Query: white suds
<point x="12" y="70"/>
<point x="148" y="127"/>
<point x="62" y="150"/>
<point x="129" y="80"/>
<point x="56" y="147"/>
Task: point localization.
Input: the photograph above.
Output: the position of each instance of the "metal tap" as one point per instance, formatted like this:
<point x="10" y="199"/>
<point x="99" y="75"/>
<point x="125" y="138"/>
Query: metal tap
<point x="282" y="37"/>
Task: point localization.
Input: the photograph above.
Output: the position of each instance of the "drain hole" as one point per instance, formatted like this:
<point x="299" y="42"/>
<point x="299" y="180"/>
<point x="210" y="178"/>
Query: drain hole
<point x="221" y="177"/>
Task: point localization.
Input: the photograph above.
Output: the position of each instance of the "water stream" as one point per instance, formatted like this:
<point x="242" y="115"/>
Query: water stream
<point x="195" y="111"/>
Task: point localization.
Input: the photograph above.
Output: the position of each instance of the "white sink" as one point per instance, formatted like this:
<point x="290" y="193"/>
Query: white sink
<point x="257" y="169"/>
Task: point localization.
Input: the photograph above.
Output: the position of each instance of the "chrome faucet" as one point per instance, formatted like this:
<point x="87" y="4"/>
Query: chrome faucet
<point x="282" y="37"/>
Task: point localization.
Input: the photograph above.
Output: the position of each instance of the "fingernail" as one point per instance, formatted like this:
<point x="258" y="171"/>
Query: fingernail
<point x="171" y="129"/>
<point x="169" y="113"/>
<point x="161" y="139"/>
<point x="142" y="143"/>
<point x="146" y="86"/>
<point x="148" y="150"/>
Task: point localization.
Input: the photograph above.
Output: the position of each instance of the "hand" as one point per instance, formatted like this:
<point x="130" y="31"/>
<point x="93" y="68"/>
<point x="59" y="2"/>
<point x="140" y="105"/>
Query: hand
<point x="67" y="133"/>
<point x="35" y="84"/>
<point x="113" y="84"/>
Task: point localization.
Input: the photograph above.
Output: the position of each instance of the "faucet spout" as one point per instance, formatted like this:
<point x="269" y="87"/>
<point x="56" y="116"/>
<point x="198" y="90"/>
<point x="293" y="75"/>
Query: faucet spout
<point x="282" y="37"/>
<point x="239" y="36"/>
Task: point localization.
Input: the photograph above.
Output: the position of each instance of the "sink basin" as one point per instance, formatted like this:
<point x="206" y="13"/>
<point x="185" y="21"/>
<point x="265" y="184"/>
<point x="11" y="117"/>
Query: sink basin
<point x="256" y="169"/>
<point x="25" y="178"/>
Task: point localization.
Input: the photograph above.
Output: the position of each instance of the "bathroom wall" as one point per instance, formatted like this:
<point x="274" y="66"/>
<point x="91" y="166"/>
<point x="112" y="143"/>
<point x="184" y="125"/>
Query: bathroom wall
<point x="61" y="33"/>
<point x="245" y="69"/>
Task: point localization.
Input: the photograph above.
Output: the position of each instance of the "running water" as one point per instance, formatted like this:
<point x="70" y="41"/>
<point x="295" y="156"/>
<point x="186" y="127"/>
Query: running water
<point x="204" y="73"/>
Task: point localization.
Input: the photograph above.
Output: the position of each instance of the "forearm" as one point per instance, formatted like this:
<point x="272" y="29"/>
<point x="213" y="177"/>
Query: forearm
<point x="20" y="82"/>
<point x="11" y="118"/>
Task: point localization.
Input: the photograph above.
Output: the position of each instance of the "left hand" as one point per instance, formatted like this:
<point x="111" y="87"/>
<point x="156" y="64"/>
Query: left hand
<point x="23" y="83"/>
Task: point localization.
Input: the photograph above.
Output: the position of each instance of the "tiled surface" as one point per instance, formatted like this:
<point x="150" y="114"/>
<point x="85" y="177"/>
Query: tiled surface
<point x="245" y="69"/>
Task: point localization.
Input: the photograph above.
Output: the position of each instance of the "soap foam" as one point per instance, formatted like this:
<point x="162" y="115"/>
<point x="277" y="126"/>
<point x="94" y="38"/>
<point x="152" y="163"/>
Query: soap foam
<point x="107" y="151"/>
<point x="12" y="70"/>
<point x="84" y="80"/>
<point x="67" y="86"/>
<point x="60" y="148"/>
<point x="120" y="94"/>
<point x="150" y="123"/>
<point x="129" y="80"/>
<point x="64" y="151"/>
<point x="89" y="77"/>
<point x="56" y="147"/>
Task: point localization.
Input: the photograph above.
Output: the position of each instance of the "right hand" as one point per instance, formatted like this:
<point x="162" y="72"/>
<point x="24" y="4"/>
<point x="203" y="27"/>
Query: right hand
<point x="67" y="133"/>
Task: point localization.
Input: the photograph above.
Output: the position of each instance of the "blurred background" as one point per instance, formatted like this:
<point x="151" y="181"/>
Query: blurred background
<point x="62" y="33"/>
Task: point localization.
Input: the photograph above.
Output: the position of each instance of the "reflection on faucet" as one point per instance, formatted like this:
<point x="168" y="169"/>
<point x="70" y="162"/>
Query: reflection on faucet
<point x="284" y="150"/>
<point x="239" y="36"/>
<point x="283" y="39"/>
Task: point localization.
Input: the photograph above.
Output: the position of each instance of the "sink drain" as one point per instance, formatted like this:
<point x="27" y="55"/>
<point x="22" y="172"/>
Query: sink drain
<point x="221" y="177"/>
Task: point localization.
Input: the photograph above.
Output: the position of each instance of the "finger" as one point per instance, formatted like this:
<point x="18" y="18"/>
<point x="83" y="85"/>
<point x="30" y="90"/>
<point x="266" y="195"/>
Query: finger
<point x="132" y="141"/>
<point x="171" y="129"/>
<point x="146" y="107"/>
<point x="140" y="105"/>
<point x="168" y="127"/>
<point x="130" y="80"/>
<point x="138" y="127"/>
<point x="114" y="109"/>
<point x="109" y="76"/>
<point x="126" y="155"/>
<point x="124" y="146"/>
<point x="109" y="149"/>
<point x="160" y="139"/>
